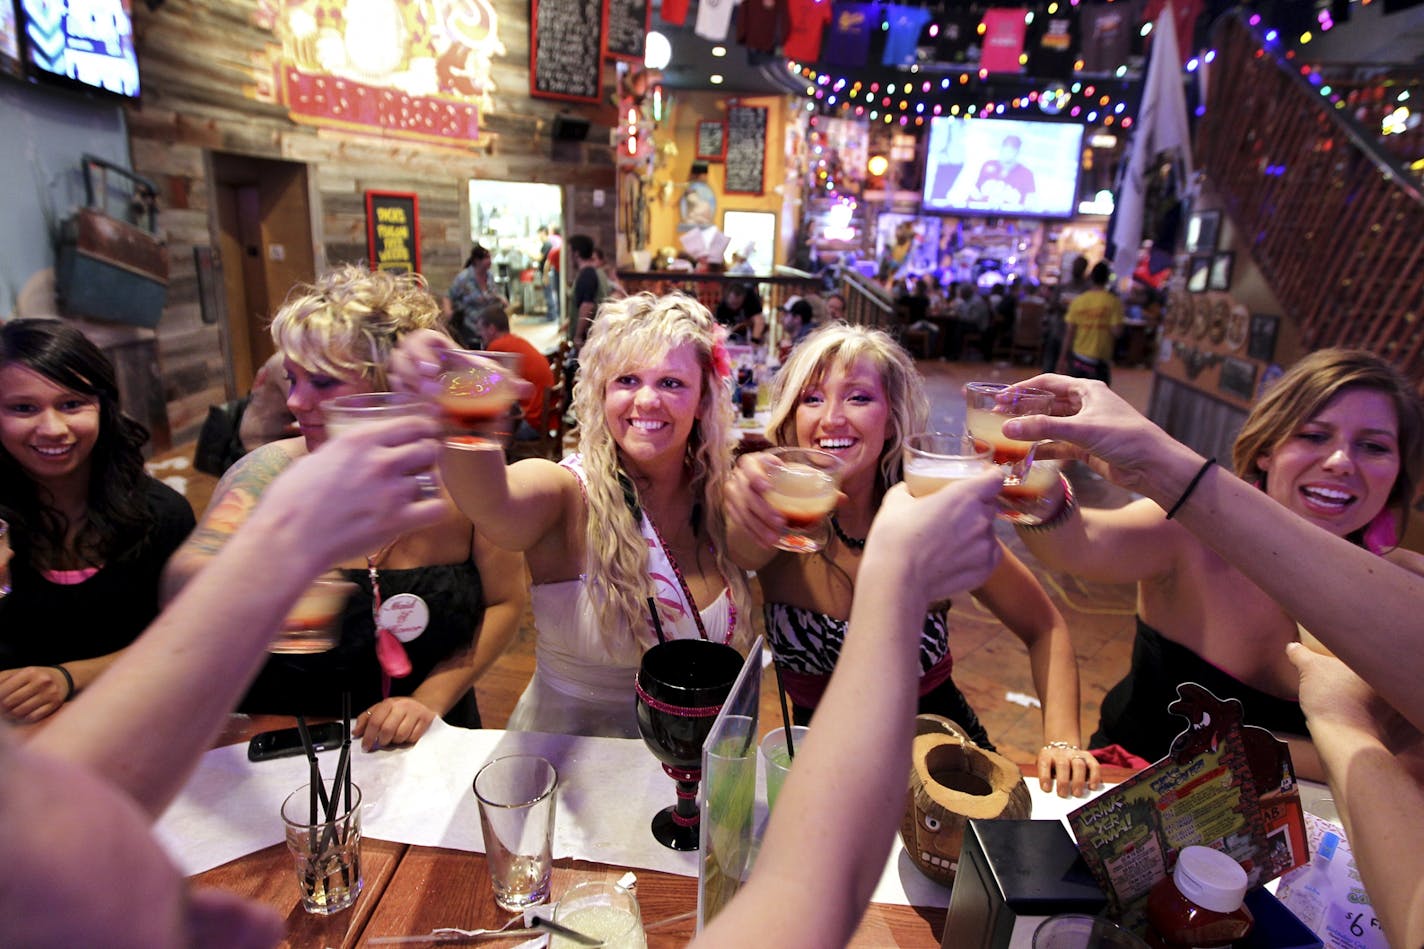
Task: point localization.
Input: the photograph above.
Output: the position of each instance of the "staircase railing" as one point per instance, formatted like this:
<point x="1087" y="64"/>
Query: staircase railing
<point x="1333" y="222"/>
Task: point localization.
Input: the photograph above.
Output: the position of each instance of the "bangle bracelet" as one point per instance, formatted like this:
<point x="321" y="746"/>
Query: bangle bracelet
<point x="1191" y="486"/>
<point x="1062" y="744"/>
<point x="68" y="680"/>
<point x="1059" y="517"/>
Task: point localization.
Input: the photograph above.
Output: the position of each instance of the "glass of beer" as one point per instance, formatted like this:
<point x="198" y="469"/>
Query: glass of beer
<point x="805" y="483"/>
<point x="476" y="395"/>
<point x="346" y="412"/>
<point x="934" y="459"/>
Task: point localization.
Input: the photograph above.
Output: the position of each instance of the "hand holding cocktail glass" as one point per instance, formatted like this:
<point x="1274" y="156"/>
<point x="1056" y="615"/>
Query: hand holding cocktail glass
<point x="1028" y="496"/>
<point x="782" y="497"/>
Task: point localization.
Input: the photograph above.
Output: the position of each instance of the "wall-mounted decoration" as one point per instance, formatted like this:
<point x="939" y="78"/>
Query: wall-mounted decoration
<point x="1199" y="274"/>
<point x="1201" y="317"/>
<point x="393" y="70"/>
<point x="1262" y="343"/>
<point x="566" y="40"/>
<point x="1219" y="313"/>
<point x="1220" y="277"/>
<point x="1238" y="377"/>
<point x="1202" y="229"/>
<point x="1238" y="327"/>
<point x="627" y="30"/>
<point x="1194" y="360"/>
<point x="712" y="141"/>
<point x="393" y="231"/>
<point x="697" y="208"/>
<point x="746" y="150"/>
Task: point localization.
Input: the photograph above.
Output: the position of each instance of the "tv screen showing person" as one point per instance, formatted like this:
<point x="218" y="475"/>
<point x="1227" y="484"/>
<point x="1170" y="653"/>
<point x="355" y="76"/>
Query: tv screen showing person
<point x="1002" y="166"/>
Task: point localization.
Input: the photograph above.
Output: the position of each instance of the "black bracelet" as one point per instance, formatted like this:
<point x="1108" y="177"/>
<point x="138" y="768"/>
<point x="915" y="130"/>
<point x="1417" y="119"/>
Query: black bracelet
<point x="1191" y="486"/>
<point x="68" y="679"/>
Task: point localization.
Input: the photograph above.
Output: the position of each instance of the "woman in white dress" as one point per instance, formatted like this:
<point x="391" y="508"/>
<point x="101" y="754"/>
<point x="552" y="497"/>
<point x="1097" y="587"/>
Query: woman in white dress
<point x="625" y="540"/>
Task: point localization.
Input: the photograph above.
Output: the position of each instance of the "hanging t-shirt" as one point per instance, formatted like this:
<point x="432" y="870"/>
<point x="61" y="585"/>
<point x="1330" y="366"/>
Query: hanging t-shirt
<point x="803" y="38"/>
<point x="674" y="11"/>
<point x="760" y="24"/>
<point x="958" y="40"/>
<point x="1052" y="44"/>
<point x="714" y="18"/>
<point x="1003" y="40"/>
<point x="848" y="42"/>
<point x="905" y="26"/>
<point x="1108" y="31"/>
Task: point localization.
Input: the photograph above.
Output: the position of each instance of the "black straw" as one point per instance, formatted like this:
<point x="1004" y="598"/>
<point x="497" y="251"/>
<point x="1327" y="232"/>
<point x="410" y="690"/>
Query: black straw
<point x="346" y="745"/>
<point x="657" y="620"/>
<point x="318" y="792"/>
<point x="785" y="712"/>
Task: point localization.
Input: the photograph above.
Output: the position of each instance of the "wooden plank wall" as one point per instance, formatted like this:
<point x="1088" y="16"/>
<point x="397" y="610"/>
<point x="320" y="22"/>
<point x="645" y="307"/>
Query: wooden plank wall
<point x="202" y="64"/>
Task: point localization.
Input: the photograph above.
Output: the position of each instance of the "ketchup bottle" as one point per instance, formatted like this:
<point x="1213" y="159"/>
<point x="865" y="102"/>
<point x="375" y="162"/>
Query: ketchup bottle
<point x="1200" y="905"/>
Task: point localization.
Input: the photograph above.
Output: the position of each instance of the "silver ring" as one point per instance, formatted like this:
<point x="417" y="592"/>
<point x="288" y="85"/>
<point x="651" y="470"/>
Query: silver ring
<point x="428" y="488"/>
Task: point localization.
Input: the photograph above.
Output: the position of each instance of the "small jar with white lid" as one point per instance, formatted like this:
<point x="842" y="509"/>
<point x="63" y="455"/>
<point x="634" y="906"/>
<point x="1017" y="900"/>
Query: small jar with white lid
<point x="1200" y="905"/>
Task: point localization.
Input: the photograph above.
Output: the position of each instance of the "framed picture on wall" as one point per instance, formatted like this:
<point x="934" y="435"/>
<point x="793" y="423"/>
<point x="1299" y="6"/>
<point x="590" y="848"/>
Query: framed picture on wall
<point x="1220" y="277"/>
<point x="712" y="141"/>
<point x="1261" y="343"/>
<point x="1199" y="274"/>
<point x="1202" y="229"/>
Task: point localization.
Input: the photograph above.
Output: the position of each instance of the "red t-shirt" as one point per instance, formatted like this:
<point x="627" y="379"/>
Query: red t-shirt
<point x="808" y="19"/>
<point x="760" y="23"/>
<point x="534" y="367"/>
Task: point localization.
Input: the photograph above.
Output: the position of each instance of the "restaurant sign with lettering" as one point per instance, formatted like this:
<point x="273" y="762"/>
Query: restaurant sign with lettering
<point x="393" y="231"/>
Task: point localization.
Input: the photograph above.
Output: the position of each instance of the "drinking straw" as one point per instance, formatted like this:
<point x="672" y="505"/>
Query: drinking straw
<point x="318" y="788"/>
<point x="346" y="743"/>
<point x="785" y="712"/>
<point x="657" y="620"/>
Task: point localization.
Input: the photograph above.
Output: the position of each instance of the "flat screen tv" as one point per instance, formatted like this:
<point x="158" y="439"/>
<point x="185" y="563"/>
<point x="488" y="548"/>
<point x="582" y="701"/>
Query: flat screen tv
<point x="1002" y="167"/>
<point x="83" y="42"/>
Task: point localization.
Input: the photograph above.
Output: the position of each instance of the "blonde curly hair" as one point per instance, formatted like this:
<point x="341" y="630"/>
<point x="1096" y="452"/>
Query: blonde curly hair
<point x="635" y="331"/>
<point x="839" y="346"/>
<point x="346" y="323"/>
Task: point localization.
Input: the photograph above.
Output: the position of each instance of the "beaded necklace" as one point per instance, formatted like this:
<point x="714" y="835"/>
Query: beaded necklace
<point x="687" y="593"/>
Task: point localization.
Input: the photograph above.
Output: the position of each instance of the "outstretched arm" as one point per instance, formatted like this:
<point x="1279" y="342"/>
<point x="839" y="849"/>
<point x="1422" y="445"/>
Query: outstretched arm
<point x="1359" y="605"/>
<point x="1373" y="762"/>
<point x="144" y="723"/>
<point x="1014" y="595"/>
<point x="810" y="887"/>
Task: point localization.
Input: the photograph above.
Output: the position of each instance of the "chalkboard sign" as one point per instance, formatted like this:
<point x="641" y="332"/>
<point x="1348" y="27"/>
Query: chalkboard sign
<point x="711" y="141"/>
<point x="627" y="29"/>
<point x="746" y="150"/>
<point x="566" y="49"/>
<point x="393" y="231"/>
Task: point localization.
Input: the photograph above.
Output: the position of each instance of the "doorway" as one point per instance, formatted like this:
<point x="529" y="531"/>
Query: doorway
<point x="506" y="217"/>
<point x="264" y="228"/>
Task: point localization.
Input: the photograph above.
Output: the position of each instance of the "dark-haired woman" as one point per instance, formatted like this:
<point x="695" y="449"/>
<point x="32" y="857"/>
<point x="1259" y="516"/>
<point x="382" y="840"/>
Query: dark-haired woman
<point x="90" y="529"/>
<point x="472" y="295"/>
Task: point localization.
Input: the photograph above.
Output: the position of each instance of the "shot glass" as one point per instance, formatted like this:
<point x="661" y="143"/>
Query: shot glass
<point x="934" y="459"/>
<point x="5" y="554"/>
<point x="327" y="853"/>
<point x="778" y="759"/>
<point x="477" y="391"/>
<point x="1079" y="931"/>
<point x="804" y="485"/>
<point x="311" y="625"/>
<point x="605" y="911"/>
<point x="516" y="799"/>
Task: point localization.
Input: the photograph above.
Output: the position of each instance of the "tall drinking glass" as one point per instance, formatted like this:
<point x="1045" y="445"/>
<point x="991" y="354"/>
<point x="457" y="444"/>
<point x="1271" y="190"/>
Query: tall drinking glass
<point x="804" y="486"/>
<point x="516" y="799"/>
<point x="327" y="853"/>
<point x="934" y="459"/>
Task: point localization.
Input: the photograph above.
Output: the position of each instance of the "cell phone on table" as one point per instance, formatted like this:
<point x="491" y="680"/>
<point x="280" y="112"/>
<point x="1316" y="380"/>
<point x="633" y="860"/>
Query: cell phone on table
<point x="285" y="742"/>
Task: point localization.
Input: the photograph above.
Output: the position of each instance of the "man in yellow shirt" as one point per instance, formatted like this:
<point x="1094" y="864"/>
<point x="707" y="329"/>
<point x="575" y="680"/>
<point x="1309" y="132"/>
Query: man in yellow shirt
<point x="1094" y="322"/>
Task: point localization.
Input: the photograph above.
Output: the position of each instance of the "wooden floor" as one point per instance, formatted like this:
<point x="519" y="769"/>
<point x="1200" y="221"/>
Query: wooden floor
<point x="991" y="665"/>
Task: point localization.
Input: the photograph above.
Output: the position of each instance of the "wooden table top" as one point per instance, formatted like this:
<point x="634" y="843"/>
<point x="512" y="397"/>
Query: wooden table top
<point x="409" y="890"/>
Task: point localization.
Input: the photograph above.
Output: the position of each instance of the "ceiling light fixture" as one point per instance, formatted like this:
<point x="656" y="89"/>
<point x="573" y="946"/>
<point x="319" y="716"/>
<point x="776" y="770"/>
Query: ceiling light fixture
<point x="715" y="79"/>
<point x="719" y="51"/>
<point x="658" y="51"/>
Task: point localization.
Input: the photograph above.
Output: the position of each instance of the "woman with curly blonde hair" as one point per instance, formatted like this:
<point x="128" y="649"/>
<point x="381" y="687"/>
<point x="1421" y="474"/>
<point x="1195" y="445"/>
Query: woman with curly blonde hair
<point x="855" y="393"/>
<point x="459" y="598"/>
<point x="625" y="539"/>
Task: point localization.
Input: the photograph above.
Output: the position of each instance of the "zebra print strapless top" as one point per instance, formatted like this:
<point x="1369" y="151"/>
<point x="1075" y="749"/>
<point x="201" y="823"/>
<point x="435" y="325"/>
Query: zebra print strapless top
<point x="809" y="643"/>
